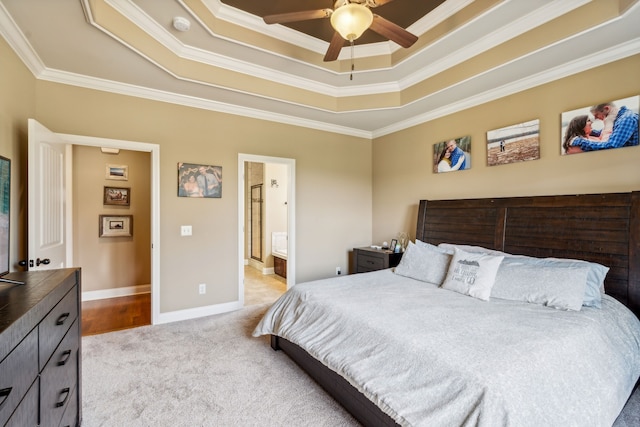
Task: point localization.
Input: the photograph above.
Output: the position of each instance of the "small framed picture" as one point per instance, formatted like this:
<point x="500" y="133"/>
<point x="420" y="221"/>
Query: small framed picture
<point x="116" y="226"/>
<point x="117" y="172"/>
<point x="119" y="196"/>
<point x="392" y="246"/>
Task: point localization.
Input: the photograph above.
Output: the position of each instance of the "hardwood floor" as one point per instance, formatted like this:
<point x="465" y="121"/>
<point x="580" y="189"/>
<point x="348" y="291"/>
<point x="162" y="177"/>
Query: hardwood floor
<point x="114" y="314"/>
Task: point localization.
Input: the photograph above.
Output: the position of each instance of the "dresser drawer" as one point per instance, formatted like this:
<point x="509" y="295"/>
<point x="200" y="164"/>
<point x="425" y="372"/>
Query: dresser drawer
<point x="59" y="378"/>
<point x="27" y="413"/>
<point x="70" y="417"/>
<point x="56" y="324"/>
<point x="369" y="262"/>
<point x="17" y="372"/>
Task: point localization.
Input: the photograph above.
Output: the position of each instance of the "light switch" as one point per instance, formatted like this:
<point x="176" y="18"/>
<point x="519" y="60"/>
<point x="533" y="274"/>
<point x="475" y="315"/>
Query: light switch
<point x="185" y="230"/>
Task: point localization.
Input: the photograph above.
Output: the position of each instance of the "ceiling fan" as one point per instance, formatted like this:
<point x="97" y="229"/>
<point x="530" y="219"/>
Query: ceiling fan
<point x="349" y="18"/>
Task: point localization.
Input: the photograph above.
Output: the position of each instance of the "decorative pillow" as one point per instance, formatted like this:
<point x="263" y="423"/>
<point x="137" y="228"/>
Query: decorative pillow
<point x="595" y="278"/>
<point x="423" y="263"/>
<point x="434" y="247"/>
<point x="559" y="286"/>
<point x="472" y="274"/>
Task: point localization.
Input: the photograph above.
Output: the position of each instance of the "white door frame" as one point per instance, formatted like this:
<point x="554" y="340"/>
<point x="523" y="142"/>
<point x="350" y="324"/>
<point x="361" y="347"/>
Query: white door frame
<point x="291" y="216"/>
<point x="154" y="149"/>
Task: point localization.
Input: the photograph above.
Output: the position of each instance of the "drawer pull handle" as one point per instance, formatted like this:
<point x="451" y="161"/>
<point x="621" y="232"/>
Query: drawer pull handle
<point x="63" y="317"/>
<point x="64" y="391"/>
<point x="4" y="394"/>
<point x="66" y="355"/>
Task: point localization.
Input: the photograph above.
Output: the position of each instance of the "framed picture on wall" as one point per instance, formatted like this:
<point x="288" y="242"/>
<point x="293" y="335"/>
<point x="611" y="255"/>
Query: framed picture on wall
<point x="602" y="126"/>
<point x="515" y="143"/>
<point x="117" y="172"/>
<point x="115" y="226"/>
<point x="196" y="180"/>
<point x="118" y="196"/>
<point x="452" y="155"/>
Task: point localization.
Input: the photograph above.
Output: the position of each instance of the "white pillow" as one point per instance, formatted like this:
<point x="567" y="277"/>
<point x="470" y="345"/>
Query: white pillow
<point x="424" y="263"/>
<point x="434" y="247"/>
<point x="472" y="274"/>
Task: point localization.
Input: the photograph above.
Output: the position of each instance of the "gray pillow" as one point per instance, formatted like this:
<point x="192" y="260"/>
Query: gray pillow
<point x="595" y="278"/>
<point x="424" y="263"/>
<point x="472" y="274"/>
<point x="559" y="286"/>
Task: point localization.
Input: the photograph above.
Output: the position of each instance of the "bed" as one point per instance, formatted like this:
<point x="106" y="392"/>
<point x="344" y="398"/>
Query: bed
<point x="397" y="350"/>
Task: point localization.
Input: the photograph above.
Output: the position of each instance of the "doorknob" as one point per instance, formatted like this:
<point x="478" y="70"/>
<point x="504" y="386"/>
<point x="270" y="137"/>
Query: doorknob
<point x="45" y="261"/>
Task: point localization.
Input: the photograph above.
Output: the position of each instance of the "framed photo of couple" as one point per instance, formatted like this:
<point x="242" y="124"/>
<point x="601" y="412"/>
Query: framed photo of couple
<point x="602" y="126"/>
<point x="452" y="155"/>
<point x="196" y="180"/>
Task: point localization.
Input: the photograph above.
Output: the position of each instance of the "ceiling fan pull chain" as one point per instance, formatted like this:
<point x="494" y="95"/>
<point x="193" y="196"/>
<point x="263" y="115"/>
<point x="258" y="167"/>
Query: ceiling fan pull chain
<point x="352" y="66"/>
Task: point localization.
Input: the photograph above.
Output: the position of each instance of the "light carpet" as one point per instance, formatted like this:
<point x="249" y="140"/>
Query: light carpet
<point x="201" y="372"/>
<point x="209" y="372"/>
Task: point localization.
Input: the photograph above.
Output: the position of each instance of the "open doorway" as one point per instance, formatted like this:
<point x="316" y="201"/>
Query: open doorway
<point x="153" y="221"/>
<point x="266" y="235"/>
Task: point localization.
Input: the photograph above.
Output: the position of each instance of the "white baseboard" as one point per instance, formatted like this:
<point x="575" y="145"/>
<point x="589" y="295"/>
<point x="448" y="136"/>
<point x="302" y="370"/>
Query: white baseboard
<point x="194" y="313"/>
<point x="116" y="292"/>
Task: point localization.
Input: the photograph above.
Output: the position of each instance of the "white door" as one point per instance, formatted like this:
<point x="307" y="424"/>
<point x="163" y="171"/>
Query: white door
<point x="47" y="199"/>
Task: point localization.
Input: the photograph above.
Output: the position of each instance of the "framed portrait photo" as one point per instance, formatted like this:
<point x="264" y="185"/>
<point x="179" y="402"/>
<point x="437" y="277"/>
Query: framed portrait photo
<point x="115" y="226"/>
<point x="196" y="180"/>
<point x="118" y="196"/>
<point x="602" y="126"/>
<point x="452" y="155"/>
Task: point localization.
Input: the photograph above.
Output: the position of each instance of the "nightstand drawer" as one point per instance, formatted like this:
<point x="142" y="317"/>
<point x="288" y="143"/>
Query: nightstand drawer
<point x="370" y="259"/>
<point x="369" y="263"/>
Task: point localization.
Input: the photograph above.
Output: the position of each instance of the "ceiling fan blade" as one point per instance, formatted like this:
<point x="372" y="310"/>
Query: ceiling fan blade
<point x="334" y="47"/>
<point x="376" y="3"/>
<point x="392" y="31"/>
<point x="305" y="15"/>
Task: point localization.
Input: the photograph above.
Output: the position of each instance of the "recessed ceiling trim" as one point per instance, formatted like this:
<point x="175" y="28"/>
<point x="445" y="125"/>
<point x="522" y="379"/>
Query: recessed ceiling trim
<point x="19" y="43"/>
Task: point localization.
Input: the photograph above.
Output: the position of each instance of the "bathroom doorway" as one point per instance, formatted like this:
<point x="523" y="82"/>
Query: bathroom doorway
<point x="266" y="215"/>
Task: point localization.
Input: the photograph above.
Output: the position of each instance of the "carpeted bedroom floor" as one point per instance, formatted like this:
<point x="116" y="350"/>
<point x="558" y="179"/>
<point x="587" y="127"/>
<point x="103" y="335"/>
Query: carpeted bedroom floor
<point x="209" y="372"/>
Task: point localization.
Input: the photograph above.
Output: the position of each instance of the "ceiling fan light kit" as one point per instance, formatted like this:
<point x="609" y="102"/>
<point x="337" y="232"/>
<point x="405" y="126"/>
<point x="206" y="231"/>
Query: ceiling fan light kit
<point x="351" y="20"/>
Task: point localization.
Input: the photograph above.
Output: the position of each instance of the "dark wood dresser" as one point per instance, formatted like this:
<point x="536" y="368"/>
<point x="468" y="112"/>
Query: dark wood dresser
<point x="370" y="259"/>
<point x="40" y="372"/>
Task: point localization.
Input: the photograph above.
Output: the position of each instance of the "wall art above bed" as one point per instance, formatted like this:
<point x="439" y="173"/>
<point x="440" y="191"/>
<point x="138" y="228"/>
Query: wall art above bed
<point x="452" y="155"/>
<point x="515" y="143"/>
<point x="607" y="124"/>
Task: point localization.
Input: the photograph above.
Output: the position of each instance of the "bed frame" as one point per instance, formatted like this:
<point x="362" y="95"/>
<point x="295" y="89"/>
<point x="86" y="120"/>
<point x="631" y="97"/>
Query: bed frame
<point x="602" y="228"/>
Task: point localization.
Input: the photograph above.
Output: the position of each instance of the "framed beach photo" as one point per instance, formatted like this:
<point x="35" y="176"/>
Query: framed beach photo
<point x="602" y="126"/>
<point x="452" y="155"/>
<point x="515" y="143"/>
<point x="115" y="226"/>
<point x="117" y="172"/>
<point x="196" y="180"/>
<point x="118" y="196"/>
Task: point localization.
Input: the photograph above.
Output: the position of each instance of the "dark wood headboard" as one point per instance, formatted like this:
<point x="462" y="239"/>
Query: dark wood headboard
<point x="602" y="228"/>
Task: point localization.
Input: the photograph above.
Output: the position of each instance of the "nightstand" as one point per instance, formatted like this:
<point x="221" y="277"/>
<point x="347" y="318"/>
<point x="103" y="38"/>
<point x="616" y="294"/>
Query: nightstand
<point x="370" y="259"/>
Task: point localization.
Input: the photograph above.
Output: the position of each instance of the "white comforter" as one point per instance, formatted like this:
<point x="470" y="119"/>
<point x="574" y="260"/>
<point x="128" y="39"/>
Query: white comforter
<point x="431" y="357"/>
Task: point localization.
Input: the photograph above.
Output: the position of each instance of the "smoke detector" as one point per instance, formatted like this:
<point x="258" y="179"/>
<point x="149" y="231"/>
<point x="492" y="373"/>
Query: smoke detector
<point x="181" y="24"/>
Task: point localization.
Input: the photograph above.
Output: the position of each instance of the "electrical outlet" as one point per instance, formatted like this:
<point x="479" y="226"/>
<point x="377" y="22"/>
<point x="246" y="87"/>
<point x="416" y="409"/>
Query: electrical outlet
<point x="338" y="271"/>
<point x="202" y="288"/>
<point x="185" y="230"/>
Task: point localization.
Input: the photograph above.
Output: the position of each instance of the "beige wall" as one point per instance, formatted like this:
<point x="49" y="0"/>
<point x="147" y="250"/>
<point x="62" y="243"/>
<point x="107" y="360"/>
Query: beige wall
<point x="17" y="104"/>
<point x="402" y="169"/>
<point x="111" y="262"/>
<point x="333" y="185"/>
